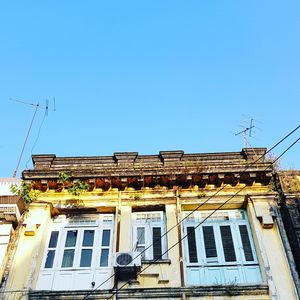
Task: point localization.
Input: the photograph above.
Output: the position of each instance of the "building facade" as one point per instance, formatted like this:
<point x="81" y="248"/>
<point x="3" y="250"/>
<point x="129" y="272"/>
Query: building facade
<point x="167" y="226"/>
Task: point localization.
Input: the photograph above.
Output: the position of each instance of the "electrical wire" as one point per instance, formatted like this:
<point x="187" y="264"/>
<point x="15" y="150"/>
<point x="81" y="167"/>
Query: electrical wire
<point x="200" y="223"/>
<point x="199" y="206"/>
<point x="37" y="138"/>
<point x="26" y="292"/>
<point x="290" y="133"/>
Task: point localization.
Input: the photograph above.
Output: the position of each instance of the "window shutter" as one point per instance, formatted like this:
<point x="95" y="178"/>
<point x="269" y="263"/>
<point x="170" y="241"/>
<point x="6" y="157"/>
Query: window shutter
<point x="192" y="244"/>
<point x="156" y="241"/>
<point x="209" y="241"/>
<point x="227" y="242"/>
<point x="246" y="243"/>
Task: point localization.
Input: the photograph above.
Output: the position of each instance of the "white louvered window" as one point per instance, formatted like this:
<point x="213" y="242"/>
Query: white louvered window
<point x="78" y="253"/>
<point x="148" y="234"/>
<point x="220" y="250"/>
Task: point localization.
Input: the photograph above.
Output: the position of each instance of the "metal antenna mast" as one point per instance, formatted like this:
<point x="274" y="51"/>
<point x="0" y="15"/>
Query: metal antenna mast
<point x="37" y="106"/>
<point x="245" y="132"/>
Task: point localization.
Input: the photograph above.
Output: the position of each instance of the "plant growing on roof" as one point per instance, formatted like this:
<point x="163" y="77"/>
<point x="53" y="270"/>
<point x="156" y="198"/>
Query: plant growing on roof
<point x="25" y="191"/>
<point x="78" y="187"/>
<point x="137" y="197"/>
<point x="63" y="177"/>
<point x="273" y="159"/>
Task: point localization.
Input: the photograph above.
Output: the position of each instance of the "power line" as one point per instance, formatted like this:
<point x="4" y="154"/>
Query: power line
<point x="290" y="133"/>
<point x="199" y="206"/>
<point x="286" y="150"/>
<point x="200" y="223"/>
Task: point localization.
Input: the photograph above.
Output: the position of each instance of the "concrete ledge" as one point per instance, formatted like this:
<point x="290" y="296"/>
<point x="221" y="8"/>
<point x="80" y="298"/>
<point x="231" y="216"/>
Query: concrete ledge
<point x="153" y="262"/>
<point x="156" y="293"/>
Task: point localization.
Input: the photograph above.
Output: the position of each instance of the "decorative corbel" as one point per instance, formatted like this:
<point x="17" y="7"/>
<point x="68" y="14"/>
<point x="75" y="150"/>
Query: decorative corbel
<point x="264" y="210"/>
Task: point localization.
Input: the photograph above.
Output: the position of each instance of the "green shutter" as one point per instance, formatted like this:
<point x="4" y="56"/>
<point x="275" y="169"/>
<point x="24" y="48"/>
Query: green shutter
<point x="246" y="243"/>
<point x="209" y="241"/>
<point x="227" y="242"/>
<point x="156" y="241"/>
<point x="192" y="245"/>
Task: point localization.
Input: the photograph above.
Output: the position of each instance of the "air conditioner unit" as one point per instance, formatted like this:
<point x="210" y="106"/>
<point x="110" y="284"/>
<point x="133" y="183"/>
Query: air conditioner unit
<point x="127" y="259"/>
<point x="127" y="265"/>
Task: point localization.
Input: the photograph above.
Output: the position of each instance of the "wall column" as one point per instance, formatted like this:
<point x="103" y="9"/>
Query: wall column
<point x="125" y="244"/>
<point x="172" y="238"/>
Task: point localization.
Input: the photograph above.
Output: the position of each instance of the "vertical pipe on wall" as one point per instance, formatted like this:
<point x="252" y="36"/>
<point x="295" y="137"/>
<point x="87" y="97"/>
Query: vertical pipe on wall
<point x="117" y="228"/>
<point x="178" y="209"/>
<point x="118" y="217"/>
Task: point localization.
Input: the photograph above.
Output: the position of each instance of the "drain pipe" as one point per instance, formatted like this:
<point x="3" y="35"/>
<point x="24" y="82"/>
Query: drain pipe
<point x="178" y="210"/>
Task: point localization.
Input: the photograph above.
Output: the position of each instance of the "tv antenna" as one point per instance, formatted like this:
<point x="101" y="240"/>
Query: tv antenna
<point x="247" y="133"/>
<point x="37" y="106"/>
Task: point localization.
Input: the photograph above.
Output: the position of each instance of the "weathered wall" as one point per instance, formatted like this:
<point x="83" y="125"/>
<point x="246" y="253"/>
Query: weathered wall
<point x="274" y="267"/>
<point x="174" y="183"/>
<point x="30" y="249"/>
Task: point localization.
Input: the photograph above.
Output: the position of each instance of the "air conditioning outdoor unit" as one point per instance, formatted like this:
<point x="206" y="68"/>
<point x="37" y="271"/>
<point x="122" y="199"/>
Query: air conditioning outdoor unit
<point x="127" y="264"/>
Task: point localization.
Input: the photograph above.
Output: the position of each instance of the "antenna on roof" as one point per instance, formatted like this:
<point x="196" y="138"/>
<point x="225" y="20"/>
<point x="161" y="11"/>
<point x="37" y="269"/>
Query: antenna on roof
<point x="37" y="106"/>
<point x="247" y="132"/>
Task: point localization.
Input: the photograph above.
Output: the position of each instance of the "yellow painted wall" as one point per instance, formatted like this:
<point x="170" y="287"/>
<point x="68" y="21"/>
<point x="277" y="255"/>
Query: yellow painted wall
<point x="30" y="250"/>
<point x="125" y="244"/>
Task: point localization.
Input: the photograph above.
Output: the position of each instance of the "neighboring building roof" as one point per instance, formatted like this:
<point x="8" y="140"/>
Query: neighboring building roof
<point x="11" y="206"/>
<point x="5" y="184"/>
<point x="290" y="181"/>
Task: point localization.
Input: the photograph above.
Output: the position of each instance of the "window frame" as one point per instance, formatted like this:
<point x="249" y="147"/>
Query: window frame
<point x="234" y="224"/>
<point x="62" y="224"/>
<point x="149" y="224"/>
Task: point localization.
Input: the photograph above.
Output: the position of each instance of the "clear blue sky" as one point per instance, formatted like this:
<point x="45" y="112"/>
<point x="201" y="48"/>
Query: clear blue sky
<point x="148" y="76"/>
